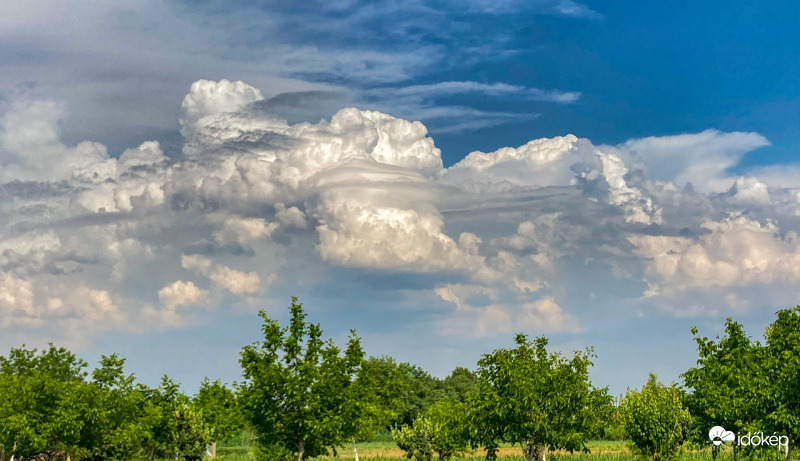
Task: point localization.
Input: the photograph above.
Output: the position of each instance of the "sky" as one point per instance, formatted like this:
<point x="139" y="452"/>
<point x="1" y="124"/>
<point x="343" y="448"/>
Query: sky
<point x="436" y="174"/>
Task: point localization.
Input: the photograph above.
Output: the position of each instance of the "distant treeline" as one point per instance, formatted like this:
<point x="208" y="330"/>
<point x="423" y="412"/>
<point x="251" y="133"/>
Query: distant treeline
<point x="302" y="396"/>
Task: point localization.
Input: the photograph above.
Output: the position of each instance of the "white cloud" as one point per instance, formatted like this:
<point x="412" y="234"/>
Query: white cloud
<point x="539" y="316"/>
<point x="244" y="230"/>
<point x="91" y="240"/>
<point x="545" y="315"/>
<point x="736" y="251"/>
<point x="237" y="282"/>
<point x="541" y="162"/>
<point x="702" y="159"/>
<point x="750" y="191"/>
<point x="30" y="136"/>
<point x="16" y="301"/>
<point x="207" y="99"/>
<point x="180" y="293"/>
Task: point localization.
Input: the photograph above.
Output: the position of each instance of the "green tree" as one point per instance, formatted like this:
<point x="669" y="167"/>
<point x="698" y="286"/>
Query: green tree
<point x="383" y="381"/>
<point x="121" y="415"/>
<point x="537" y="399"/>
<point x="190" y="436"/>
<point x="441" y="430"/>
<point x="179" y="429"/>
<point x="726" y="385"/>
<point x="420" y="391"/>
<point x="781" y="399"/>
<point x="54" y="362"/>
<point x="217" y="403"/>
<point x="459" y="384"/>
<point x="42" y="400"/>
<point x="655" y="419"/>
<point x="300" y="393"/>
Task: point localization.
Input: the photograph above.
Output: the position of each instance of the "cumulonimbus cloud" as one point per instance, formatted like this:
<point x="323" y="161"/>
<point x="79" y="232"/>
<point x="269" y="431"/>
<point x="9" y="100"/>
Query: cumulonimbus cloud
<point x="144" y="237"/>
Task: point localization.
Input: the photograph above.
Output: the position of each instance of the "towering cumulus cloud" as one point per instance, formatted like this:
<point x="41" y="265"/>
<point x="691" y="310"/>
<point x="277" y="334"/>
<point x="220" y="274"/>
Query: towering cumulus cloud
<point x="92" y="242"/>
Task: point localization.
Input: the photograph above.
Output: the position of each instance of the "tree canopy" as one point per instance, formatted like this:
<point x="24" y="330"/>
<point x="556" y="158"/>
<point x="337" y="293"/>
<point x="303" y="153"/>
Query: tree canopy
<point x="535" y="398"/>
<point x="300" y="393"/>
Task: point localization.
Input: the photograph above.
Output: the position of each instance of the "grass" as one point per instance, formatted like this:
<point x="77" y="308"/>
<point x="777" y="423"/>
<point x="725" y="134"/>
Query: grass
<point x="600" y="450"/>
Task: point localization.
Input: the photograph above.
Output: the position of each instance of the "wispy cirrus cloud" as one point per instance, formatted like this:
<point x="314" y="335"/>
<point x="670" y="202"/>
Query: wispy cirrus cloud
<point x="434" y="103"/>
<point x="351" y="48"/>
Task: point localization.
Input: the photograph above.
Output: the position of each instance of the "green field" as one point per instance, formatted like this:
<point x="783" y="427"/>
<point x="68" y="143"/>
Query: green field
<point x="600" y="450"/>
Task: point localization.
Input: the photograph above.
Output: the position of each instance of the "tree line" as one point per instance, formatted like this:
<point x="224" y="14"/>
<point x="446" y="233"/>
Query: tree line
<point x="303" y="397"/>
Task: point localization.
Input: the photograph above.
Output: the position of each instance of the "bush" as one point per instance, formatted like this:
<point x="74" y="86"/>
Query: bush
<point x="655" y="419"/>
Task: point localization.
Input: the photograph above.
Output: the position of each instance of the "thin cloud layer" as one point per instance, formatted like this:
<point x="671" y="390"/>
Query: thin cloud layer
<point x="92" y="244"/>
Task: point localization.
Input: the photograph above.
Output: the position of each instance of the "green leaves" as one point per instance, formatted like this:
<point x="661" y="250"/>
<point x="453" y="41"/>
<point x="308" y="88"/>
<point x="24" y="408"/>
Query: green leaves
<point x="655" y="419"/>
<point x="441" y="430"/>
<point x="47" y="403"/>
<point x="782" y="360"/>
<point x="725" y="389"/>
<point x="302" y="395"/>
<point x="537" y="399"/>
<point x="219" y="409"/>
<point x="743" y="385"/>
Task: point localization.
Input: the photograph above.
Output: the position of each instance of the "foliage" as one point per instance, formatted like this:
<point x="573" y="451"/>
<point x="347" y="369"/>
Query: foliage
<point x="219" y="408"/>
<point x="121" y="415"/>
<point x="441" y="430"/>
<point x="613" y="425"/>
<point x="725" y="382"/>
<point x="301" y="394"/>
<point x="459" y="384"/>
<point x="656" y="421"/>
<point x="781" y="401"/>
<point x="191" y="435"/>
<point x="419" y="392"/>
<point x="382" y="379"/>
<point x="537" y="399"/>
<point x="404" y="392"/>
<point x="416" y="440"/>
<point x="41" y="400"/>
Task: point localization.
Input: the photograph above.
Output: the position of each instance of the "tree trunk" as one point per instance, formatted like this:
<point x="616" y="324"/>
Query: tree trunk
<point x="788" y="450"/>
<point x="301" y="446"/>
<point x="355" y="448"/>
<point x="735" y="451"/>
<point x="533" y="452"/>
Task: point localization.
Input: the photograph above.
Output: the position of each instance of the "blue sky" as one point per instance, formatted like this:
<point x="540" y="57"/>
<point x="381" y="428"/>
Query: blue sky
<point x="676" y="203"/>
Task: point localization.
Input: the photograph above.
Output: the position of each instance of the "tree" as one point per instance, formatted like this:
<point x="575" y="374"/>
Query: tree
<point x="725" y="384"/>
<point x="655" y="419"/>
<point x="419" y="392"/>
<point x="179" y="429"/>
<point x="122" y="417"/>
<point x="190" y="436"/>
<point x="441" y="430"/>
<point x="220" y="411"/>
<point x="301" y="394"/>
<point x="383" y="381"/>
<point x="782" y="400"/>
<point x="459" y="384"/>
<point x="55" y="362"/>
<point x="42" y="400"/>
<point x="537" y="399"/>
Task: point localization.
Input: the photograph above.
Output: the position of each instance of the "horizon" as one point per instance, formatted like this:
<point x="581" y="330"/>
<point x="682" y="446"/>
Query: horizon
<point x="606" y="175"/>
